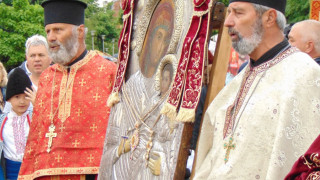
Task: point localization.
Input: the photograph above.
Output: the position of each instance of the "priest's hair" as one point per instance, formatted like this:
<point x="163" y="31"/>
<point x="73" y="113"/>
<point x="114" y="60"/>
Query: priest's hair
<point x="281" y="19"/>
<point x="36" y="40"/>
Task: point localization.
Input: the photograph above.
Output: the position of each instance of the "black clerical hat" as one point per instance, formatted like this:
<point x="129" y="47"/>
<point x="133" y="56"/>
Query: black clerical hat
<point x="17" y="83"/>
<point x="64" y="11"/>
<point x="279" y="5"/>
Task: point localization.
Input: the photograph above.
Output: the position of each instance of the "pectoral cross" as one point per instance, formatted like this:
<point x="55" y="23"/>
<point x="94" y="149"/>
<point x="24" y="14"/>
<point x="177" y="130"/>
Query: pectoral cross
<point x="229" y="146"/>
<point x="51" y="135"/>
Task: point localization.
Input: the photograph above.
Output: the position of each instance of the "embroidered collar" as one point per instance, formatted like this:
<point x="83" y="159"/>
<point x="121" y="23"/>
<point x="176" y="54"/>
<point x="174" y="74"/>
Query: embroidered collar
<point x="77" y="59"/>
<point x="270" y="54"/>
<point x="317" y="60"/>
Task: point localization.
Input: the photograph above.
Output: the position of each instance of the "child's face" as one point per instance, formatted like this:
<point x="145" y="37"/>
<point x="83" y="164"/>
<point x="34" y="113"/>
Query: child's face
<point x="19" y="103"/>
<point x="165" y="81"/>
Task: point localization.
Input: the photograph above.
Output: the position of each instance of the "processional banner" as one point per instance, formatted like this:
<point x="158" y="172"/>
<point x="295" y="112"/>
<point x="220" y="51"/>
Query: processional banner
<point x="315" y="9"/>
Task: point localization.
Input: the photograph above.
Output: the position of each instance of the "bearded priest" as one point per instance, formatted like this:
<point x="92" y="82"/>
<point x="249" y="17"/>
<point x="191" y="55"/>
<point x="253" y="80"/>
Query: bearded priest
<point x="268" y="115"/>
<point x="70" y="115"/>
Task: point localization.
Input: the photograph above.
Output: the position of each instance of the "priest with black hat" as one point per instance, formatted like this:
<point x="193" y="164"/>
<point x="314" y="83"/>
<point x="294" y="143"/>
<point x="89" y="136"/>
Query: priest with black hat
<point x="268" y="115"/>
<point x="70" y="114"/>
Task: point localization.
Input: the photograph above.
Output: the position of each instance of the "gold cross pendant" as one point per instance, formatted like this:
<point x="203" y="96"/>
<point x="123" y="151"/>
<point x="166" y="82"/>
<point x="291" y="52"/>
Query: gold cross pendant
<point x="229" y="146"/>
<point x="51" y="135"/>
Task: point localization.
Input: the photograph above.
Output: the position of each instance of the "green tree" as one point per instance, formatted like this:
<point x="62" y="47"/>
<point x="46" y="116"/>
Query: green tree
<point x="103" y="21"/>
<point x="17" y="23"/>
<point x="296" y="10"/>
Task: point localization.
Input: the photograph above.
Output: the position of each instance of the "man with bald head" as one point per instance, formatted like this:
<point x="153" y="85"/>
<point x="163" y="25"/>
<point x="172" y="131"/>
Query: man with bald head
<point x="268" y="114"/>
<point x="305" y="36"/>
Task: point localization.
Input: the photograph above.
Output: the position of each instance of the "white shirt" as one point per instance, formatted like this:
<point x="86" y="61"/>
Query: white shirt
<point x="15" y="134"/>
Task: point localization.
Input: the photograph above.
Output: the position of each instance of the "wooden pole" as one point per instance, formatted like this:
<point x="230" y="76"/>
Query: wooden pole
<point x="217" y="74"/>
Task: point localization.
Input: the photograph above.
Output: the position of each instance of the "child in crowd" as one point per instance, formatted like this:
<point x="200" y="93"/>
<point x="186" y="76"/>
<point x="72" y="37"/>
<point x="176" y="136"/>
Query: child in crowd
<point x="14" y="125"/>
<point x="3" y="84"/>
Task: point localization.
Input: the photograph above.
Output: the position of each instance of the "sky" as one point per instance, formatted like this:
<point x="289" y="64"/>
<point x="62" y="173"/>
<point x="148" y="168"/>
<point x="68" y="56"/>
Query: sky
<point x="100" y="1"/>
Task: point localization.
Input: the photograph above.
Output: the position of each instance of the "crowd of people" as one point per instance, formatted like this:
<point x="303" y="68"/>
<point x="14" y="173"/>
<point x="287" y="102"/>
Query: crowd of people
<point x="53" y="111"/>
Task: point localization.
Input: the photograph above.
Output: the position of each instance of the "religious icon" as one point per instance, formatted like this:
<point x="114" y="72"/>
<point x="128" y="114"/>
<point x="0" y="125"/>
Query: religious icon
<point x="157" y="38"/>
<point x="166" y="78"/>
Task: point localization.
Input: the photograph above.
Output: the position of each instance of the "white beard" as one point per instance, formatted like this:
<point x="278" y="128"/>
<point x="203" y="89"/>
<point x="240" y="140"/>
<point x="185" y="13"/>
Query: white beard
<point x="244" y="45"/>
<point x="67" y="51"/>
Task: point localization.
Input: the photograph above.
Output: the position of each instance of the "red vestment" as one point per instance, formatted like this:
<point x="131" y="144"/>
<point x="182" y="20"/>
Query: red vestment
<point x="307" y="167"/>
<point x="80" y="120"/>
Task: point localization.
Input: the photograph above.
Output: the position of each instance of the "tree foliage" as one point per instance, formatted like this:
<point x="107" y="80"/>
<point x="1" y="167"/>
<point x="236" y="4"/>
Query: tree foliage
<point x="20" y="19"/>
<point x="296" y="10"/>
<point x="17" y="23"/>
<point x="103" y="21"/>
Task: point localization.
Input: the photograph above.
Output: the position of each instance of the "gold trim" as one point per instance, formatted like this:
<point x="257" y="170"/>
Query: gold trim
<point x="65" y="108"/>
<point x="203" y="1"/>
<point x="60" y="171"/>
<point x="168" y="59"/>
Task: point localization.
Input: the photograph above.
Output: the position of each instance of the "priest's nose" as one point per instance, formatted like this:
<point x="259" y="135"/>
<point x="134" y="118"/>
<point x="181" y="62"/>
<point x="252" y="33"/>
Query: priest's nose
<point x="51" y="37"/>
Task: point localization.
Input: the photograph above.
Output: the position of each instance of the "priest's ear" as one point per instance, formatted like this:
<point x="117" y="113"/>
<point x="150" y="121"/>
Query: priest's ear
<point x="270" y="18"/>
<point x="81" y="32"/>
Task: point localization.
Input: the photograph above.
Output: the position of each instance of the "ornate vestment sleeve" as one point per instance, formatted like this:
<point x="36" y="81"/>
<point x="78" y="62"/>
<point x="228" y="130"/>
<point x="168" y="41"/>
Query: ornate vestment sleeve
<point x="308" y="165"/>
<point x="186" y="88"/>
<point x="124" y="49"/>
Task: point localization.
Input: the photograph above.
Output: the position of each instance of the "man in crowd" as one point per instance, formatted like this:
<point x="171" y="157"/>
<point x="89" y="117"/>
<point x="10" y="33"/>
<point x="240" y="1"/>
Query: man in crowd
<point x="269" y="114"/>
<point x="70" y="114"/>
<point x="38" y="60"/>
<point x="305" y="36"/>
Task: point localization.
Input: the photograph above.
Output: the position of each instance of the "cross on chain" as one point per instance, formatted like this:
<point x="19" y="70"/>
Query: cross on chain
<point x="229" y="146"/>
<point x="51" y="135"/>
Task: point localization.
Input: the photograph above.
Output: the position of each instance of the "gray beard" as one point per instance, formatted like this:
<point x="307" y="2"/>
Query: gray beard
<point x="66" y="52"/>
<point x="244" y="45"/>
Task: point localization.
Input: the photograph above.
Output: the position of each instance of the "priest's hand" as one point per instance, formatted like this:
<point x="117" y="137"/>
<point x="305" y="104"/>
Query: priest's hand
<point x="155" y="164"/>
<point x="124" y="146"/>
<point x="31" y="94"/>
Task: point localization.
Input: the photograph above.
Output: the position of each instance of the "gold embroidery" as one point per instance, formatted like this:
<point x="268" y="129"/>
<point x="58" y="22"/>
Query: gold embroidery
<point x="96" y="97"/>
<point x="314" y="158"/>
<point x="30" y="150"/>
<point x="41" y="103"/>
<point x="75" y="143"/>
<point x="307" y="163"/>
<point x="58" y="158"/>
<point x="62" y="128"/>
<point x="79" y="112"/>
<point x="101" y="68"/>
<point x="90" y="158"/>
<point x="65" y="108"/>
<point x="93" y="127"/>
<point x="82" y="82"/>
<point x="61" y="171"/>
<point x="314" y="176"/>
